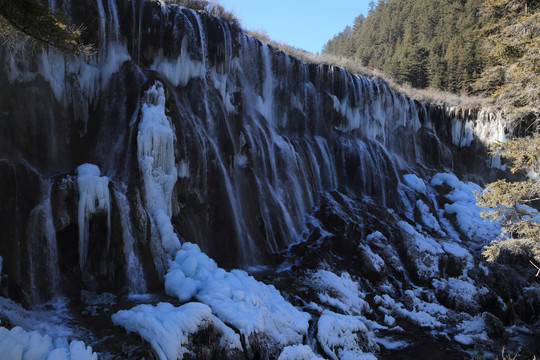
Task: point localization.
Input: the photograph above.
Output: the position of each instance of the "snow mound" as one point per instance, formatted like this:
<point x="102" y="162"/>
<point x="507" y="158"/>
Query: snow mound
<point x="415" y="183"/>
<point x="236" y="298"/>
<point x="422" y="251"/>
<point x="19" y="344"/>
<point x="340" y="292"/>
<point x="427" y="217"/>
<point x="463" y="206"/>
<point x="472" y="331"/>
<point x="164" y="326"/>
<point x="340" y="336"/>
<point x="298" y="352"/>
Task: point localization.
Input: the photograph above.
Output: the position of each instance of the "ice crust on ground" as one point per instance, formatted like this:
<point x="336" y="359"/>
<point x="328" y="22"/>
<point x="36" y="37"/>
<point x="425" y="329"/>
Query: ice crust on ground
<point x="463" y="206"/>
<point x="471" y="331"/>
<point x="164" y="326"/>
<point x="424" y="314"/>
<point x="19" y="344"/>
<point x="236" y="298"/>
<point x="462" y="291"/>
<point x="428" y="218"/>
<point x="341" y="292"/>
<point x="340" y="335"/>
<point x="423" y="251"/>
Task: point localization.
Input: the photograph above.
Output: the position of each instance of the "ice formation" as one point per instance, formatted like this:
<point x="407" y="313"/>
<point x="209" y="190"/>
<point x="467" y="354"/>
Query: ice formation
<point x="340" y="336"/>
<point x="428" y="219"/>
<point x="415" y="183"/>
<point x="18" y="344"/>
<point x="256" y="153"/>
<point x="236" y="298"/>
<point x="298" y="352"/>
<point x="180" y="70"/>
<point x="155" y="149"/>
<point x="463" y="206"/>
<point x="93" y="197"/>
<point x="164" y="326"/>
<point x="341" y="292"/>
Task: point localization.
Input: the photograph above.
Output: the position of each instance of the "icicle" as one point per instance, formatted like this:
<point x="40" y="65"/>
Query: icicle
<point x="42" y="251"/>
<point x="266" y="102"/>
<point x="102" y="33"/>
<point x="93" y="197"/>
<point x="155" y="149"/>
<point x="114" y="25"/>
<point x="135" y="276"/>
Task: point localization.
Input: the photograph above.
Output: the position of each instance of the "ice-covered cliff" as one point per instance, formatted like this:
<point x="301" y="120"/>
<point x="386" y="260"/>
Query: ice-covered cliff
<point x="183" y="130"/>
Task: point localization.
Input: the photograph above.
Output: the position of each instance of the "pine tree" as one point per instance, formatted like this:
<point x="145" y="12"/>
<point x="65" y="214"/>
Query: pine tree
<point x="513" y="203"/>
<point x="32" y="20"/>
<point x="512" y="75"/>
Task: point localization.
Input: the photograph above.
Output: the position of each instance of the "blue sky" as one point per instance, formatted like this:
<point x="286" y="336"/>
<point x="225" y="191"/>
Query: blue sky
<point x="306" y="24"/>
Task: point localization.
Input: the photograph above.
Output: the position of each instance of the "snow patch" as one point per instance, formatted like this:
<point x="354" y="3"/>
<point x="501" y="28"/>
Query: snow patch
<point x="422" y="250"/>
<point x="472" y="331"/>
<point x="236" y="298"/>
<point x="340" y="292"/>
<point x="423" y="313"/>
<point x="164" y="326"/>
<point x="340" y="336"/>
<point x="19" y="344"/>
<point x="463" y="292"/>
<point x="415" y="183"/>
<point x="298" y="352"/>
<point x="463" y="206"/>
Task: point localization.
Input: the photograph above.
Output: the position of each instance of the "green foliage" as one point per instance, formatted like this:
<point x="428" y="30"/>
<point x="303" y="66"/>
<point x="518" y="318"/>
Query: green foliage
<point x="512" y="73"/>
<point x="421" y="43"/>
<point x="520" y="226"/>
<point x="489" y="48"/>
<point x="20" y="19"/>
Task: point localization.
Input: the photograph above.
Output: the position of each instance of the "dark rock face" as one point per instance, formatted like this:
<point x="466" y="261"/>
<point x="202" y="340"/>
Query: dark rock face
<point x="275" y="162"/>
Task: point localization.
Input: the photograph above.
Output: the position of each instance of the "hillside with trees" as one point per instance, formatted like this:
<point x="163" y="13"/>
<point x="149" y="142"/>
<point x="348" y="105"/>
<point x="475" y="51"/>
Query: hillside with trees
<point x="423" y="42"/>
<point x="486" y="47"/>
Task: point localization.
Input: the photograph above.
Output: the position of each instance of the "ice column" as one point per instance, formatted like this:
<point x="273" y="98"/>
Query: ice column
<point x="155" y="150"/>
<point x="93" y="197"/>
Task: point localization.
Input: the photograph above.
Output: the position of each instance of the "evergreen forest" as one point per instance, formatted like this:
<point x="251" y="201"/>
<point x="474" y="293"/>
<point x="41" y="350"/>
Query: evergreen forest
<point x="482" y="47"/>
